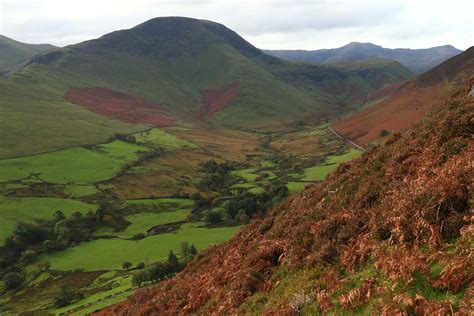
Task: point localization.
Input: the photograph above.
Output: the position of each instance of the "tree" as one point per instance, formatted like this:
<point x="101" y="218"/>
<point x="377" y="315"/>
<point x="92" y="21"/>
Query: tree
<point x="139" y="278"/>
<point x="28" y="256"/>
<point x="43" y="265"/>
<point x="126" y="265"/>
<point x="213" y="217"/>
<point x="140" y="265"/>
<point x="173" y="261"/>
<point x="58" y="216"/>
<point x="192" y="251"/>
<point x="13" y="280"/>
<point x="64" y="296"/>
<point x="384" y="133"/>
<point x="184" y="250"/>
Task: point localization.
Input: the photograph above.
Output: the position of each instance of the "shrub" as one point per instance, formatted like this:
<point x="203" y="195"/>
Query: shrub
<point x="140" y="266"/>
<point x="13" y="280"/>
<point x="126" y="265"/>
<point x="64" y="296"/>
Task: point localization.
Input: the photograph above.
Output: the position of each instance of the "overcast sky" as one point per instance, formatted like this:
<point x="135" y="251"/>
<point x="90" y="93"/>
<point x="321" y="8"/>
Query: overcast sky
<point x="273" y="24"/>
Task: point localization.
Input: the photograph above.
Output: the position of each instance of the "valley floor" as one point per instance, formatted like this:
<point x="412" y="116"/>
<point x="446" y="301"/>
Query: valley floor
<point x="152" y="190"/>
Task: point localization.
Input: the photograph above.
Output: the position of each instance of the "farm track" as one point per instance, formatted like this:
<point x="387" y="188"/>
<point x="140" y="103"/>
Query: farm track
<point x="345" y="139"/>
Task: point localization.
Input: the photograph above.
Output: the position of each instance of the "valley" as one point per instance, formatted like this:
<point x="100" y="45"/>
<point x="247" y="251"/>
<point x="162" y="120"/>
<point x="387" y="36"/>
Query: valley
<point x="174" y="167"/>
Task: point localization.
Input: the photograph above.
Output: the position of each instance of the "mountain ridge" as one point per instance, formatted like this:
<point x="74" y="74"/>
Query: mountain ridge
<point x="418" y="60"/>
<point x="13" y="52"/>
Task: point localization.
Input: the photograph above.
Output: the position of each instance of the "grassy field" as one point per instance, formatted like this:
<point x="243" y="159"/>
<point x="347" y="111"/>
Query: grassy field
<point x="164" y="203"/>
<point x="141" y="222"/>
<point x="158" y="138"/>
<point x="109" y="254"/>
<point x="248" y="174"/>
<point x="319" y="172"/>
<point x="297" y="186"/>
<point x="29" y="209"/>
<point x="75" y="165"/>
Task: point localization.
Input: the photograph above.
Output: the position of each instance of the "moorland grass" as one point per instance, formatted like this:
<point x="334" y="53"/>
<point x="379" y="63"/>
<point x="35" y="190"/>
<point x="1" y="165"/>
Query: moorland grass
<point x="29" y="209"/>
<point x="109" y="254"/>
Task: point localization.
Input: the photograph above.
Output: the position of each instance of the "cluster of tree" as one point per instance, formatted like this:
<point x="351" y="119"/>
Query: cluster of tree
<point x="218" y="177"/>
<point x="60" y="232"/>
<point x="160" y="270"/>
<point x="244" y="206"/>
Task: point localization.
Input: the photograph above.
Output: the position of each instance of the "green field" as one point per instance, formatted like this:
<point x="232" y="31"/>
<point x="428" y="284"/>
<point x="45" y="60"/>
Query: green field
<point x="297" y="186"/>
<point x="141" y="222"/>
<point x="248" y="174"/>
<point x="29" y="209"/>
<point x="319" y="172"/>
<point x="164" y="202"/>
<point x="75" y="165"/>
<point x="158" y="138"/>
<point x="109" y="254"/>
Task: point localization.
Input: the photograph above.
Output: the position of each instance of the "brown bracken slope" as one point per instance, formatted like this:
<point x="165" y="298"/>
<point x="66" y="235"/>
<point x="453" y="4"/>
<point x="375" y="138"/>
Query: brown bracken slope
<point x="119" y="105"/>
<point x="214" y="100"/>
<point x="389" y="233"/>
<point x="410" y="103"/>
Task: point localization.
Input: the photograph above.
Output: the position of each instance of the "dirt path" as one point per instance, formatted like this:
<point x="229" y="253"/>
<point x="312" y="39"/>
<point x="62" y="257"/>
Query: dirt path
<point x="345" y="139"/>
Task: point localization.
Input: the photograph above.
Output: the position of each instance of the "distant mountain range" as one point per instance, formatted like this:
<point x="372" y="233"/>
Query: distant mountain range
<point x="417" y="60"/>
<point x="13" y="52"/>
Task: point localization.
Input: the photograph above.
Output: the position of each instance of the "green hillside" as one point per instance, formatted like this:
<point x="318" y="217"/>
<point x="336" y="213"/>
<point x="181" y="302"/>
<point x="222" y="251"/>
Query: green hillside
<point x="13" y="52"/>
<point x="170" y="62"/>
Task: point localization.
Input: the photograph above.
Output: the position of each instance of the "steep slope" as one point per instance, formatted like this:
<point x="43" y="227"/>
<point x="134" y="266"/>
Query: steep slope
<point x="411" y="102"/>
<point x="184" y="67"/>
<point x="389" y="233"/>
<point x="13" y="52"/>
<point x="417" y="60"/>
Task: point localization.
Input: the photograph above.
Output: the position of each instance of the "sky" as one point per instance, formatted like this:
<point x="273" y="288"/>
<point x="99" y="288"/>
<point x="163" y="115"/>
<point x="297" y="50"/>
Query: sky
<point x="268" y="24"/>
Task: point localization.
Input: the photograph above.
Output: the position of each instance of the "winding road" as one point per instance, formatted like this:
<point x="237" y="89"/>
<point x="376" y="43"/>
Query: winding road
<point x="345" y="139"/>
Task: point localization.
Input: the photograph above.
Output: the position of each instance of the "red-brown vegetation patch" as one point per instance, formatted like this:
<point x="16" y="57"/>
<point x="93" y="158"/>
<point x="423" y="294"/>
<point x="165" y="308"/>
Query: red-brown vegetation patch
<point x="214" y="100"/>
<point x="400" y="209"/>
<point x="121" y="106"/>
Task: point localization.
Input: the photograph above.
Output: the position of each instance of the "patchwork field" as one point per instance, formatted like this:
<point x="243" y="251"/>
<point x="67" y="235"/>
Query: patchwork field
<point x="109" y="254"/>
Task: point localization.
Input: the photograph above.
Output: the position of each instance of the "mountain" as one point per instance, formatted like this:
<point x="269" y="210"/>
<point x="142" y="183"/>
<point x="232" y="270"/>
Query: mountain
<point x="409" y="103"/>
<point x="13" y="52"/>
<point x="389" y="233"/>
<point x="417" y="60"/>
<point x="171" y="71"/>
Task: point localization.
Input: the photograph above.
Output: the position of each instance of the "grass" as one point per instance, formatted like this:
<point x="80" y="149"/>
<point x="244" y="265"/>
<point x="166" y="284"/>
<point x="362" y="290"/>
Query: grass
<point x="247" y="174"/>
<point x="109" y="254"/>
<point x="158" y="138"/>
<point x="118" y="288"/>
<point x="141" y="222"/>
<point x="75" y="165"/>
<point x="163" y="204"/>
<point x="319" y="172"/>
<point x="294" y="187"/>
<point x="29" y="209"/>
<point x="78" y="191"/>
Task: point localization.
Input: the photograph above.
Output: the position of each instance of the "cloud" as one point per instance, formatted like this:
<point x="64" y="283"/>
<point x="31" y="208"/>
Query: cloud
<point x="305" y="24"/>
